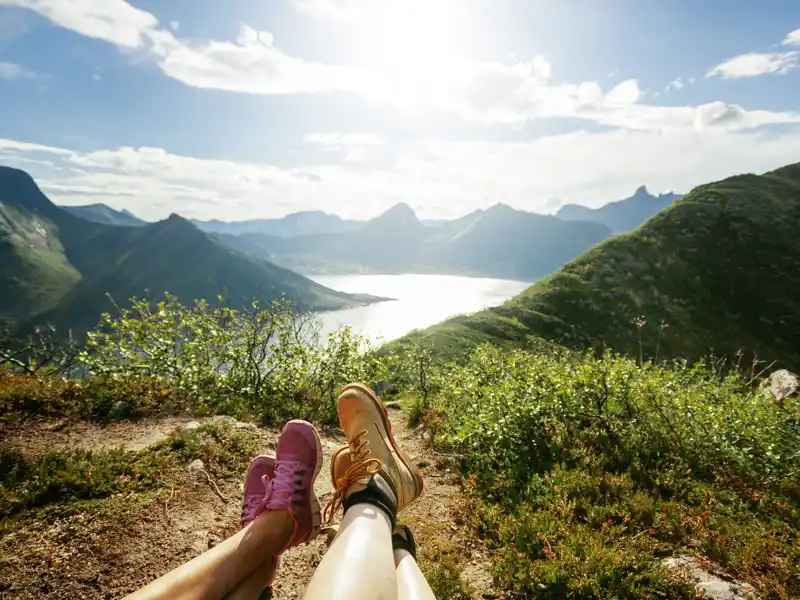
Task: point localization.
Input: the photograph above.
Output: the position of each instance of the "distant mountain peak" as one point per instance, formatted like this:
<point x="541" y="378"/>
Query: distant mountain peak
<point x="400" y="213"/>
<point x="641" y="191"/>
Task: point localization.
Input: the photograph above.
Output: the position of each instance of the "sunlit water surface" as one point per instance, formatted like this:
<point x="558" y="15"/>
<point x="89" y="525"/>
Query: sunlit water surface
<point x="421" y="300"/>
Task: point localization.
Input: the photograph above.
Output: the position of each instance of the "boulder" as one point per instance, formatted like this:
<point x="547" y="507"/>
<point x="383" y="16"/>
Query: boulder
<point x="195" y="467"/>
<point x="190" y="426"/>
<point x="712" y="586"/>
<point x="782" y="384"/>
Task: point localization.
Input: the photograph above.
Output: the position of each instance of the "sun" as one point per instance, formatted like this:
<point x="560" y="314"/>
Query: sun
<point x="414" y="45"/>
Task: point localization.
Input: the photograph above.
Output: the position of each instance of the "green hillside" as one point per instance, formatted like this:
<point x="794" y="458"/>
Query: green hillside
<point x="33" y="267"/>
<point x="714" y="273"/>
<point x="59" y="268"/>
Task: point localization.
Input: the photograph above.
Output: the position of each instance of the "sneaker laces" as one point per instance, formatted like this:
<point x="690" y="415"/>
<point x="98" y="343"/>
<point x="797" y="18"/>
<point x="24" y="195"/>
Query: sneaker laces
<point x="362" y="467"/>
<point x="281" y="486"/>
<point x="254" y="504"/>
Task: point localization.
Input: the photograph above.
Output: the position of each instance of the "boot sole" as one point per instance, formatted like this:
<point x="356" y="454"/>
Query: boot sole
<point x="404" y="458"/>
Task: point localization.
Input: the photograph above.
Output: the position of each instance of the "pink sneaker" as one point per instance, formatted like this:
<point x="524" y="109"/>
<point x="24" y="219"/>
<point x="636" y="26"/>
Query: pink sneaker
<point x="299" y="461"/>
<point x="256" y="484"/>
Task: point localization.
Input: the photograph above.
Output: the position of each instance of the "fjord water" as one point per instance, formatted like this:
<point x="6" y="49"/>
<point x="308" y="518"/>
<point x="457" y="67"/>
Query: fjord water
<point x="420" y="300"/>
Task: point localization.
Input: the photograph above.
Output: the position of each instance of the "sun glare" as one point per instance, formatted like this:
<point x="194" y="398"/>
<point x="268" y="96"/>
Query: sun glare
<point x="414" y="44"/>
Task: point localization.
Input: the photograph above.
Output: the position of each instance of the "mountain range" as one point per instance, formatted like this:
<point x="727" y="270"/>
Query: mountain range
<point x="59" y="268"/>
<point x="714" y="274"/>
<point x="101" y="213"/>
<point x="622" y="215"/>
<point x="498" y="242"/>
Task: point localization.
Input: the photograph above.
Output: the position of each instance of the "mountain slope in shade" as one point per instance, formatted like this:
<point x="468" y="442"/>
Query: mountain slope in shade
<point x="301" y="223"/>
<point x="715" y="272"/>
<point x="499" y="242"/>
<point x="512" y="244"/>
<point x="623" y="215"/>
<point x="101" y="213"/>
<point x="83" y="261"/>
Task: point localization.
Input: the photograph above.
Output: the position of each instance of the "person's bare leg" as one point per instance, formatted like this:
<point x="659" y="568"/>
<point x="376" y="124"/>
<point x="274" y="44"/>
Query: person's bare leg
<point x="213" y="574"/>
<point x="411" y="583"/>
<point x="251" y="588"/>
<point x="359" y="563"/>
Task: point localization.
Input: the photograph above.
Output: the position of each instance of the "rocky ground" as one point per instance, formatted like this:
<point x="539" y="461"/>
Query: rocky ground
<point x="121" y="543"/>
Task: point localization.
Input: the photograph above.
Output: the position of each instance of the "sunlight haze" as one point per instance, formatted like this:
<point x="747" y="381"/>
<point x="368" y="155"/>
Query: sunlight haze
<point x="249" y="110"/>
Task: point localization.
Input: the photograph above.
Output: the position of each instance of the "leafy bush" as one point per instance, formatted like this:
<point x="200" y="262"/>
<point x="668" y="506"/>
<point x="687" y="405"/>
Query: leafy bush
<point x="585" y="470"/>
<point x="266" y="360"/>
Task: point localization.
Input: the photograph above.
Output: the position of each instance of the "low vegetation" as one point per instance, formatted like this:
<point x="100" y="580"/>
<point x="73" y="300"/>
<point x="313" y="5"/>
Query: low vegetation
<point x="586" y="471"/>
<point x="264" y="362"/>
<point x="66" y="478"/>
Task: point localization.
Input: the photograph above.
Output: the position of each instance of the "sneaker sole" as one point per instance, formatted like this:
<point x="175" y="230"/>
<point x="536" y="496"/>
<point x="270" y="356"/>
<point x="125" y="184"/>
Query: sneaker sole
<point x="404" y="458"/>
<point x="316" y="513"/>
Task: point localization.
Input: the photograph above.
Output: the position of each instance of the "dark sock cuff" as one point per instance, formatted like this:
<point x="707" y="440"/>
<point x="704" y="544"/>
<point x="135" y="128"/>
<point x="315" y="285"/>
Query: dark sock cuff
<point x="401" y="543"/>
<point x="369" y="496"/>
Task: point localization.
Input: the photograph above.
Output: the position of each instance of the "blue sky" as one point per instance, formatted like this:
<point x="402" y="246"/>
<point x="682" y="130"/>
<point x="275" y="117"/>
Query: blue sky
<point x="252" y="108"/>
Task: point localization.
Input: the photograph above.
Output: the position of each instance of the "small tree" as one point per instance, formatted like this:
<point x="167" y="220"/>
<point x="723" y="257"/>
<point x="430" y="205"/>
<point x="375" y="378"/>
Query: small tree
<point x="40" y="351"/>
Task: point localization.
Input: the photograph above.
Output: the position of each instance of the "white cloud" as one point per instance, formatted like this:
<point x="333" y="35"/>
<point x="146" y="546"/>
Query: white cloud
<point x="344" y="139"/>
<point x="675" y="84"/>
<point x="792" y="38"/>
<point x="14" y="72"/>
<point x="113" y="21"/>
<point x="487" y="91"/>
<point x="174" y="25"/>
<point x="624" y="93"/>
<point x="754" y="64"/>
<point x="356" y="155"/>
<point x="440" y="179"/>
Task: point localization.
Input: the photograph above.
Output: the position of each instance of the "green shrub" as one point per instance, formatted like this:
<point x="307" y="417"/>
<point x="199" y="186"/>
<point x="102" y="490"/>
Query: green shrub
<point x="586" y="470"/>
<point x="266" y="360"/>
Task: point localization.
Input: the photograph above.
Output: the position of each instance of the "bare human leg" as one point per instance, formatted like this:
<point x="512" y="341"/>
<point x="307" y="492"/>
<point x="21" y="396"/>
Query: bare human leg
<point x="251" y="588"/>
<point x="411" y="583"/>
<point x="359" y="564"/>
<point x="215" y="573"/>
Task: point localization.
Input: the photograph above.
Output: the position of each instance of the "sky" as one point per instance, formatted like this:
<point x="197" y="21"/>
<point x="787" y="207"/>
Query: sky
<point x="258" y="108"/>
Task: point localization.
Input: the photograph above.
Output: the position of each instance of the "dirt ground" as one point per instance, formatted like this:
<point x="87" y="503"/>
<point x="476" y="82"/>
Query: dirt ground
<point x="132" y="540"/>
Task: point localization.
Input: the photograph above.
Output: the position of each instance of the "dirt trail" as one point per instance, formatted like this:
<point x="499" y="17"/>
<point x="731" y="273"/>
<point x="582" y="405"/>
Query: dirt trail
<point x="109" y="555"/>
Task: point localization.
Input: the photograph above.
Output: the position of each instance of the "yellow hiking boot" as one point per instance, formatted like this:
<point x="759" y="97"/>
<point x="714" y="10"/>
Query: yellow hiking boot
<point x="371" y="468"/>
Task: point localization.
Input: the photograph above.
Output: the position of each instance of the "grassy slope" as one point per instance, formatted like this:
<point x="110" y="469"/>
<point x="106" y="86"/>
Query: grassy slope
<point x="718" y="268"/>
<point x="32" y="264"/>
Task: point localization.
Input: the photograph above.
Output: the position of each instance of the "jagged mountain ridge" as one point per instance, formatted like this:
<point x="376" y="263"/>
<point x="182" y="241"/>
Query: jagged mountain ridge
<point x="623" y="215"/>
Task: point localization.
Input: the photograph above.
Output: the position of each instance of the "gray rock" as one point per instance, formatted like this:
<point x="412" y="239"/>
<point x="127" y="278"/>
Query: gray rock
<point x="223" y="419"/>
<point x="245" y="426"/>
<point x="195" y="467"/>
<point x="120" y="410"/>
<point x="782" y="384"/>
<point x="712" y="586"/>
<point x="394" y="405"/>
<point x="190" y="426"/>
